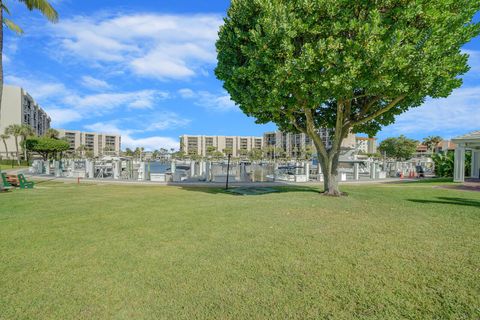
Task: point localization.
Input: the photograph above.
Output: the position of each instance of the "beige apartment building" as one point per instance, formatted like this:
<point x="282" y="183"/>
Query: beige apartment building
<point x="294" y="144"/>
<point x="366" y="145"/>
<point x="101" y="144"/>
<point x="200" y="144"/>
<point x="18" y="107"/>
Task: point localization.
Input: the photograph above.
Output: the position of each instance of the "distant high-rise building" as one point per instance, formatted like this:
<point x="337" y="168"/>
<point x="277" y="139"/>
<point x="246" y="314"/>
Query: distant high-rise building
<point x="294" y="144"/>
<point x="18" y="107"/>
<point x="200" y="145"/>
<point x="101" y="144"/>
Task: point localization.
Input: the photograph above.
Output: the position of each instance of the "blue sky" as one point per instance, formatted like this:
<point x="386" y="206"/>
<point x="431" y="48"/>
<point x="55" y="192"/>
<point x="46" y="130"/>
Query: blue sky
<point x="145" y="69"/>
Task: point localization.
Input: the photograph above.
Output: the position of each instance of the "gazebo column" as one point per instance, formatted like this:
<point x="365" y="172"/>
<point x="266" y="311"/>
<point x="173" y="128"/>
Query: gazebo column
<point x="475" y="164"/>
<point x="459" y="164"/>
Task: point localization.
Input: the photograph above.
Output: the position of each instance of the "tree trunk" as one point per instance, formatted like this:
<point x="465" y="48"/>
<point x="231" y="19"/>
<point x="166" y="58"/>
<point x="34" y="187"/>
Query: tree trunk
<point x="18" y="153"/>
<point x="24" y="143"/>
<point x="6" y="148"/>
<point x="330" y="174"/>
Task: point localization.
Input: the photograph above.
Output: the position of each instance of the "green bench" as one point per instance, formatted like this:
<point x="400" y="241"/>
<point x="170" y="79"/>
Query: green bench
<point x="24" y="184"/>
<point x="5" y="184"/>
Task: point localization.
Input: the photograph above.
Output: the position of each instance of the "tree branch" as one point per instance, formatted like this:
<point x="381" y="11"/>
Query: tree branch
<point x="380" y="112"/>
<point x="313" y="134"/>
<point x="340" y="123"/>
<point x="369" y="105"/>
<point x="296" y="124"/>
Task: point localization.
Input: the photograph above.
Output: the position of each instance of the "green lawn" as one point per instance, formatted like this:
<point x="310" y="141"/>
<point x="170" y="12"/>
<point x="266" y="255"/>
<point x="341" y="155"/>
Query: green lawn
<point x="127" y="252"/>
<point x="9" y="167"/>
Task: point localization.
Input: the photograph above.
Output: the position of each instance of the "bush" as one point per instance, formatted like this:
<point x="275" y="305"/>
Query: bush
<point x="444" y="164"/>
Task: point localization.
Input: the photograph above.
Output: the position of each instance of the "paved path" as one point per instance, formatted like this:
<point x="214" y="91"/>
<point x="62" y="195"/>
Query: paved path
<point x="211" y="184"/>
<point x="468" y="185"/>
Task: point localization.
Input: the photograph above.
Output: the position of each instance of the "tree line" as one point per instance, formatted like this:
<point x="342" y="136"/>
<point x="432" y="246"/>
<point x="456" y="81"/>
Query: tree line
<point x="49" y="145"/>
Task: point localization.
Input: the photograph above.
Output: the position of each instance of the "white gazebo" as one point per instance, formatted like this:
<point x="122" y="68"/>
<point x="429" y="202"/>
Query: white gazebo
<point x="470" y="141"/>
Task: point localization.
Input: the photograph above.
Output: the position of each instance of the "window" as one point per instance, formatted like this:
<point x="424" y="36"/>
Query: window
<point x="243" y="144"/>
<point x="89" y="142"/>
<point x="258" y="144"/>
<point x="70" y="137"/>
<point x="192" y="145"/>
<point x="229" y="143"/>
<point x="208" y="142"/>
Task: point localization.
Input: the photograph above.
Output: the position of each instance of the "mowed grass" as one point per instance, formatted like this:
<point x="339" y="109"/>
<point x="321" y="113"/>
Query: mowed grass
<point x="10" y="167"/>
<point x="393" y="251"/>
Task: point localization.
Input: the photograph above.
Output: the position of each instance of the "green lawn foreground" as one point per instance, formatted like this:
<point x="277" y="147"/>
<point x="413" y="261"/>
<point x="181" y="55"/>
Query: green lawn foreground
<point x="4" y="167"/>
<point x="387" y="251"/>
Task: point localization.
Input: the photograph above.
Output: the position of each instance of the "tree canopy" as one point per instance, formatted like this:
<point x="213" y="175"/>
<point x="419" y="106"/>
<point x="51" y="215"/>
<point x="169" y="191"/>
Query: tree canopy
<point x="46" y="146"/>
<point x="431" y="142"/>
<point x="41" y="5"/>
<point x="341" y="64"/>
<point x="401" y="148"/>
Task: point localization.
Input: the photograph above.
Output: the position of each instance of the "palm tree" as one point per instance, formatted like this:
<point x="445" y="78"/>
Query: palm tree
<point x="25" y="132"/>
<point x="41" y="5"/>
<point x="52" y="133"/>
<point x="15" y="130"/>
<point x="4" y="138"/>
<point x="431" y="142"/>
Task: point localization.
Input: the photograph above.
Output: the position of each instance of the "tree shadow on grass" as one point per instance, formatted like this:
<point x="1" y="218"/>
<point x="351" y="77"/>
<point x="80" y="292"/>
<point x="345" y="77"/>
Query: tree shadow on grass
<point x="252" y="190"/>
<point x="450" y="200"/>
<point x="422" y="181"/>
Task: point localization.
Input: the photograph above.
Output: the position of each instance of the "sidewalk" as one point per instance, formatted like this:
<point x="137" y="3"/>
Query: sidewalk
<point x="201" y="184"/>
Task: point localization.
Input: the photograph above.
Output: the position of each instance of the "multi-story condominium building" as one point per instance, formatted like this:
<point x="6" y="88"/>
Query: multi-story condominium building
<point x="366" y="145"/>
<point x="294" y="144"/>
<point x="200" y="145"/>
<point x="18" y="107"/>
<point x="101" y="144"/>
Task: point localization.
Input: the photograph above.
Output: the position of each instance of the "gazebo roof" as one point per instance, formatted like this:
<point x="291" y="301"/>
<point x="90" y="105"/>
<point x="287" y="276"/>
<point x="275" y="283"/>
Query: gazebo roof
<point x="471" y="139"/>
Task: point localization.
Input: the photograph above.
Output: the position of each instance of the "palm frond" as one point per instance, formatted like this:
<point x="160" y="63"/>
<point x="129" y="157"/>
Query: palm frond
<point x="4" y="8"/>
<point x="12" y="26"/>
<point x="44" y="7"/>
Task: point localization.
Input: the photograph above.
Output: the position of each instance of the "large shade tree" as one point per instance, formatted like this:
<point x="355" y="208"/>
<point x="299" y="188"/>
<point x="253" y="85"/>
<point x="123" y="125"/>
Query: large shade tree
<point x="350" y="66"/>
<point x="46" y="146"/>
<point x="41" y="5"/>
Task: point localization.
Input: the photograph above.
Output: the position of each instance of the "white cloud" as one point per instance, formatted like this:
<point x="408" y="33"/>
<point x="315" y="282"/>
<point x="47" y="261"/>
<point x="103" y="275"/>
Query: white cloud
<point x="106" y="127"/>
<point x="165" y="120"/>
<point x="61" y="117"/>
<point x="153" y="45"/>
<point x="94" y="83"/>
<point x="81" y="106"/>
<point x="474" y="60"/>
<point x="460" y="111"/>
<point x="186" y="93"/>
<point x="150" y="143"/>
<point x="104" y="102"/>
<point x="211" y="101"/>
<point x="38" y="89"/>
